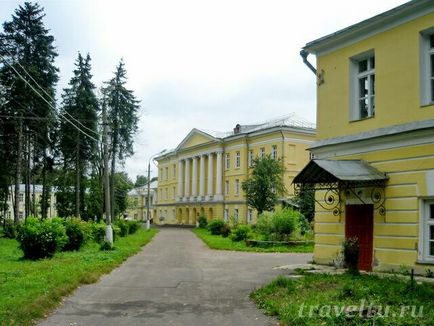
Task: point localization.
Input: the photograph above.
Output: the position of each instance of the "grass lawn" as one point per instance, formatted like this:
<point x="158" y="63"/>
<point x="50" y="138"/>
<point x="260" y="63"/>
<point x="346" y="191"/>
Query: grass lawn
<point x="30" y="289"/>
<point x="320" y="299"/>
<point x="218" y="242"/>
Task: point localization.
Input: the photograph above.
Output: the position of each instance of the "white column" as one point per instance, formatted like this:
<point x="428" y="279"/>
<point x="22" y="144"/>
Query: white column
<point x="194" y="178"/>
<point x="219" y="176"/>
<point x="210" y="190"/>
<point x="187" y="178"/>
<point x="180" y="180"/>
<point x="202" y="176"/>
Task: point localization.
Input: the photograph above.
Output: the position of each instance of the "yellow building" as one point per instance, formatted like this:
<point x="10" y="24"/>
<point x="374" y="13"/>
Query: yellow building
<point x="203" y="175"/>
<point x="374" y="155"/>
<point x="138" y="202"/>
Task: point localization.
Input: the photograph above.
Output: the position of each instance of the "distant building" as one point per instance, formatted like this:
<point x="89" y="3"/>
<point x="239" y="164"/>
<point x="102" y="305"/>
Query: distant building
<point x="138" y="200"/>
<point x="34" y="202"/>
<point x="204" y="174"/>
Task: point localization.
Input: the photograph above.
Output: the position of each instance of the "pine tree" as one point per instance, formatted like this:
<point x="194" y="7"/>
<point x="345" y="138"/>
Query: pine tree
<point x="80" y="105"/>
<point x="26" y="47"/>
<point x="122" y="113"/>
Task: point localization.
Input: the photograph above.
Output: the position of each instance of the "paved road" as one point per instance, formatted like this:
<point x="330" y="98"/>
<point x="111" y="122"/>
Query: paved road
<point x="176" y="280"/>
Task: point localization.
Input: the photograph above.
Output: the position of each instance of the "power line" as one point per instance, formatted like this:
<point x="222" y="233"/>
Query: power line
<point x="45" y="92"/>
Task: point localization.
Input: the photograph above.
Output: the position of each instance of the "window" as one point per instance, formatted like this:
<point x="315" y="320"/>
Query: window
<point x="363" y="79"/>
<point x="311" y="156"/>
<point x="250" y="158"/>
<point x="228" y="161"/>
<point x="226" y="214"/>
<point x="174" y="192"/>
<point x="21" y="197"/>
<point x="428" y="232"/>
<point x="249" y="215"/>
<point x="262" y="152"/>
<point x="167" y="173"/>
<point x="227" y="187"/>
<point x="174" y="171"/>
<point x="20" y="215"/>
<point x="237" y="187"/>
<point x="236" y="214"/>
<point x="166" y="194"/>
<point x="161" y="173"/>
<point x="427" y="68"/>
<point x="274" y="151"/>
<point x="238" y="160"/>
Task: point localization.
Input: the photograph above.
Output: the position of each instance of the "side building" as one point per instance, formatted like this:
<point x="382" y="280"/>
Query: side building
<point x="374" y="156"/>
<point x="203" y="175"/>
<point x="138" y="202"/>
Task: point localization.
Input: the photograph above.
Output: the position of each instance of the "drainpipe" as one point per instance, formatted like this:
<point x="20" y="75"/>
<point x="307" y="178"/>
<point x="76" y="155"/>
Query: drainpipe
<point x="304" y="55"/>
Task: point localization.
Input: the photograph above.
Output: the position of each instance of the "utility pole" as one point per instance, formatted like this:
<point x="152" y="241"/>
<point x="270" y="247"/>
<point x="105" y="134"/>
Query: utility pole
<point x="108" y="230"/>
<point x="148" y="217"/>
<point x="18" y="171"/>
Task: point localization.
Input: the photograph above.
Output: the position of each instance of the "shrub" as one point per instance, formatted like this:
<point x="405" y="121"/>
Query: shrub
<point x="41" y="238"/>
<point x="351" y="255"/>
<point x="242" y="232"/>
<point x="264" y="224"/>
<point x="98" y="231"/>
<point x="133" y="226"/>
<point x="9" y="229"/>
<point x="215" y="227"/>
<point x="106" y="246"/>
<point x="76" y="231"/>
<point x="278" y="225"/>
<point x="123" y="226"/>
<point x="225" y="230"/>
<point x="202" y="221"/>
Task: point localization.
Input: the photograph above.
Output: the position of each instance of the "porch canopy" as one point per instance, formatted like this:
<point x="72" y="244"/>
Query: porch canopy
<point x="341" y="174"/>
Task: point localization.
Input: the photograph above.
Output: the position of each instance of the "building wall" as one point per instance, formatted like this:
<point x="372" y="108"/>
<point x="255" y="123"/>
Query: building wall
<point x="397" y="69"/>
<point x="291" y="145"/>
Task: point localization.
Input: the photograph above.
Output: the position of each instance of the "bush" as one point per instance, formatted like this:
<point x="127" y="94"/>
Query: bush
<point x="76" y="231"/>
<point x="106" y="246"/>
<point x="242" y="232"/>
<point x="123" y="226"/>
<point x="215" y="227"/>
<point x="41" y="238"/>
<point x="225" y="230"/>
<point x="98" y="231"/>
<point x="133" y="226"/>
<point x="9" y="229"/>
<point x="202" y="222"/>
<point x="351" y="255"/>
<point x="278" y="226"/>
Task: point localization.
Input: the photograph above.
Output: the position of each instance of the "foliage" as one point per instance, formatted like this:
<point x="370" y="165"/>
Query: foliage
<point x="242" y="232"/>
<point x="225" y="231"/>
<point x="305" y="199"/>
<point x="304" y="225"/>
<point x="264" y="188"/>
<point x="215" y="227"/>
<point x="292" y="300"/>
<point x="9" y="229"/>
<point x="77" y="232"/>
<point x="278" y="226"/>
<point x="351" y="254"/>
<point x="106" y="246"/>
<point x="122" y="185"/>
<point x="123" y="226"/>
<point x="98" y="231"/>
<point x="31" y="289"/>
<point x="202" y="221"/>
<point x="142" y="180"/>
<point x="133" y="226"/>
<point x="221" y="243"/>
<point x="41" y="238"/>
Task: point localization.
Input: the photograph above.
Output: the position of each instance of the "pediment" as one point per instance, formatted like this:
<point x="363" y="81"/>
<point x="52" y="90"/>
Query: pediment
<point x="194" y="138"/>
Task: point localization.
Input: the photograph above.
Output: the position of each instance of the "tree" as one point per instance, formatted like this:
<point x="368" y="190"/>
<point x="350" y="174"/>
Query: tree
<point x="123" y="186"/>
<point x="27" y="49"/>
<point x="122" y="113"/>
<point x="79" y="147"/>
<point x="142" y="180"/>
<point x="264" y="188"/>
<point x="305" y="199"/>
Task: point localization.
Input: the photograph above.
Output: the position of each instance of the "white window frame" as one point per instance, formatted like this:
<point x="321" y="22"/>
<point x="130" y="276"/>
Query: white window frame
<point x="355" y="77"/>
<point x="249" y="215"/>
<point x="21" y="197"/>
<point x="250" y="158"/>
<point x="262" y="152"/>
<point x="238" y="159"/>
<point x="426" y="69"/>
<point x="274" y="151"/>
<point x="236" y="214"/>
<point x="228" y="161"/>
<point x="424" y="232"/>
<point x="227" y="187"/>
<point x="237" y="187"/>
<point x="226" y="214"/>
<point x="174" y="171"/>
<point x="167" y="173"/>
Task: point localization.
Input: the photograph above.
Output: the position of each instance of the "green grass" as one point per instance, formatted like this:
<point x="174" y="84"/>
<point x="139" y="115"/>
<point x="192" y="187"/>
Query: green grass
<point x="326" y="295"/>
<point x="218" y="242"/>
<point x="30" y="289"/>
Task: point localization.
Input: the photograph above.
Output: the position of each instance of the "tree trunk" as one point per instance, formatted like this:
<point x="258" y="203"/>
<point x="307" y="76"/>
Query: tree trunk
<point x="27" y="186"/>
<point x="77" y="181"/>
<point x="18" y="172"/>
<point x="44" y="201"/>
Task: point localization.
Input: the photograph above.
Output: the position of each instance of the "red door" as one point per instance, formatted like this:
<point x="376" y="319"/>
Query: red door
<point x="359" y="222"/>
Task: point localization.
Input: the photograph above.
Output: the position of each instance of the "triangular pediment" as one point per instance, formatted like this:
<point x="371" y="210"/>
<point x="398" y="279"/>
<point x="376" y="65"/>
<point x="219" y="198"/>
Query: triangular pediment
<point x="194" y="138"/>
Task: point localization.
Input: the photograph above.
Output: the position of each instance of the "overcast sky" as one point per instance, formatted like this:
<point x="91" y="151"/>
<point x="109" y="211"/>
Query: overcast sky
<point x="199" y="64"/>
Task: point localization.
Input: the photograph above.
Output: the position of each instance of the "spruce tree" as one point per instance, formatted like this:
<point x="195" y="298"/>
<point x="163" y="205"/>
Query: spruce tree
<point x="79" y="147"/>
<point x="27" y="48"/>
<point x="122" y="113"/>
